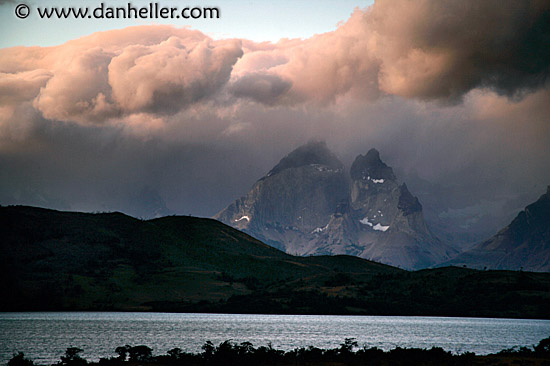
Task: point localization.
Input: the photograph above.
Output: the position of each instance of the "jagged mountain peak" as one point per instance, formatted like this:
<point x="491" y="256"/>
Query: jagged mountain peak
<point x="307" y="205"/>
<point x="407" y="202"/>
<point x="297" y="196"/>
<point x="524" y="243"/>
<point x="535" y="217"/>
<point x="373" y="155"/>
<point x="370" y="166"/>
<point x="314" y="152"/>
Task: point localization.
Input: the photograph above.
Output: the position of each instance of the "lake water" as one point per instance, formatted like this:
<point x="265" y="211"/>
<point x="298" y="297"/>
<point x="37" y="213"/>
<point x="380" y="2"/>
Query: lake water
<point x="44" y="337"/>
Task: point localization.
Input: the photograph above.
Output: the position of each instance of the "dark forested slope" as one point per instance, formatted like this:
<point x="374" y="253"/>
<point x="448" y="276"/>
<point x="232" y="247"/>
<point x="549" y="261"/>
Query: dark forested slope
<point x="52" y="260"/>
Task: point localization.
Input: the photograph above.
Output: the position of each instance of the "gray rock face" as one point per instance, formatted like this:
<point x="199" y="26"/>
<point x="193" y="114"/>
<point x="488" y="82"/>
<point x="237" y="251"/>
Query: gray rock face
<point x="524" y="244"/>
<point x="307" y="205"/>
<point x="297" y="196"/>
<point x="383" y="221"/>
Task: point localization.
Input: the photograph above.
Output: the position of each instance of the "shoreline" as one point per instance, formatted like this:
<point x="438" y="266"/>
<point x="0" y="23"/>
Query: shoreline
<point x="348" y="353"/>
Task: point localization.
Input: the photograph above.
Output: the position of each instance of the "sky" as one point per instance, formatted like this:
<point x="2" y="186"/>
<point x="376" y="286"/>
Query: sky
<point x="179" y="117"/>
<point x="256" y="20"/>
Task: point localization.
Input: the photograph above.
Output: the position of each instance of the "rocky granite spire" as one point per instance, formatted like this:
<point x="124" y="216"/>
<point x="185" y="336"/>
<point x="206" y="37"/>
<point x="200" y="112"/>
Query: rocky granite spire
<point x="312" y="153"/>
<point x="306" y="205"/>
<point x="384" y="221"/>
<point x="370" y="167"/>
<point x="295" y="198"/>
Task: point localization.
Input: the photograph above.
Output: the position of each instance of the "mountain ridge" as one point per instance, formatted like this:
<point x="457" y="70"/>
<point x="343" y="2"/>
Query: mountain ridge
<point x="52" y="259"/>
<point x="68" y="261"/>
<point x="522" y="245"/>
<point x="297" y="196"/>
<point x="366" y="213"/>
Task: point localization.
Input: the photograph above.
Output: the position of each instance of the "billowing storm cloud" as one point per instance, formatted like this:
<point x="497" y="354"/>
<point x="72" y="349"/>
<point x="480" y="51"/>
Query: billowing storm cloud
<point x="443" y="49"/>
<point x="425" y="50"/>
<point x="116" y="73"/>
<point x="419" y="49"/>
<point x="261" y="87"/>
<point x="454" y="94"/>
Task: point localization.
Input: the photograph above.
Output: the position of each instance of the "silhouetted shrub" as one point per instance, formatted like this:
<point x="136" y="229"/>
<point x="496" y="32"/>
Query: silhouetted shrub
<point x="229" y="353"/>
<point x="72" y="357"/>
<point x="208" y="350"/>
<point x="20" y="360"/>
<point x="140" y="353"/>
<point x="175" y="353"/>
<point x="516" y="351"/>
<point x="122" y="352"/>
<point x="543" y="348"/>
<point x="348" y="345"/>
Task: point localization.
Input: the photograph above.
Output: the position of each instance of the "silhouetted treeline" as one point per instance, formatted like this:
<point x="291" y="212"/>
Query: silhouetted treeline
<point x="348" y="353"/>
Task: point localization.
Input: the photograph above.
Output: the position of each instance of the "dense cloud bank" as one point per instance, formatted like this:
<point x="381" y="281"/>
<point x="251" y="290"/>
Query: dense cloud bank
<point x="428" y="50"/>
<point x="454" y="94"/>
<point x="157" y="70"/>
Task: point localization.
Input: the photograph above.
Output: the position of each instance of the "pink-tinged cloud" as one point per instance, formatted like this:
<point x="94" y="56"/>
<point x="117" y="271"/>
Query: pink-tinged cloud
<point x="319" y="69"/>
<point x="79" y="90"/>
<point x="142" y="69"/>
<point x="171" y="75"/>
<point x="265" y="88"/>
<point x="16" y="88"/>
<point x="428" y="50"/>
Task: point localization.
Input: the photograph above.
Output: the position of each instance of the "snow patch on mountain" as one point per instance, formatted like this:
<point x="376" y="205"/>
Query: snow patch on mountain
<point x="319" y="230"/>
<point x="366" y="221"/>
<point x="379" y="227"/>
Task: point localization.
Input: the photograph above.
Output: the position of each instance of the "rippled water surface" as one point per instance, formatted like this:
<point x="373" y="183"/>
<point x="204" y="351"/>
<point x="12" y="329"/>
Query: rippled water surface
<point x="44" y="337"/>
